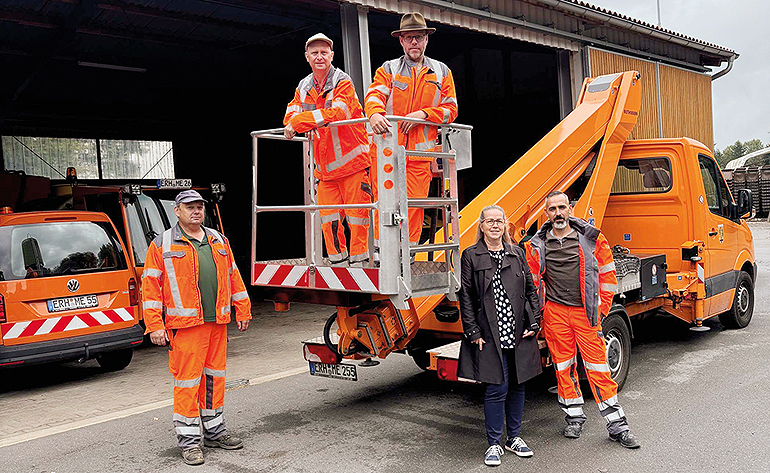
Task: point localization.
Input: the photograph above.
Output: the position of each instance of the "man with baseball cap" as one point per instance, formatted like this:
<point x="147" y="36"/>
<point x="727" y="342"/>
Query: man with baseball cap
<point x="190" y="286"/>
<point x="341" y="153"/>
<point x="414" y="86"/>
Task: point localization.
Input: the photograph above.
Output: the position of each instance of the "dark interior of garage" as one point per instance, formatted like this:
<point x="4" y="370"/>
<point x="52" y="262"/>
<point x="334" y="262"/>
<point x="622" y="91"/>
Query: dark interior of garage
<point x="204" y="73"/>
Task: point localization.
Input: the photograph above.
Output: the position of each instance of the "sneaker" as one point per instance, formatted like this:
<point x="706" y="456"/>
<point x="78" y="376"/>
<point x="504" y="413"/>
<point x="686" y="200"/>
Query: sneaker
<point x="573" y="430"/>
<point x="519" y="447"/>
<point x="493" y="455"/>
<point x="227" y="441"/>
<point x="193" y="456"/>
<point x="626" y="439"/>
<point x="360" y="264"/>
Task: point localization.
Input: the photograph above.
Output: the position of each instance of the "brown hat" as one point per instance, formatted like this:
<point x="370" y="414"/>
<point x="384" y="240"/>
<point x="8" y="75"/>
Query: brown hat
<point x="412" y="22"/>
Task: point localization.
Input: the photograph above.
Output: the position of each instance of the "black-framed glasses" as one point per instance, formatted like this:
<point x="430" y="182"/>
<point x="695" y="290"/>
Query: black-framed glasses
<point x="414" y="37"/>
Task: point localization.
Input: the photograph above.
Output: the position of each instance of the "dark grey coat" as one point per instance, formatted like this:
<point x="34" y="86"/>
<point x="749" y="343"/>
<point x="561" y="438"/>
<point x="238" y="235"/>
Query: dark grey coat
<point x="479" y="317"/>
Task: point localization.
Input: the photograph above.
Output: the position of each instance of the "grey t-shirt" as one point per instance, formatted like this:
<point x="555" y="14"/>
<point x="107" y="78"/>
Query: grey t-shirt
<point x="562" y="270"/>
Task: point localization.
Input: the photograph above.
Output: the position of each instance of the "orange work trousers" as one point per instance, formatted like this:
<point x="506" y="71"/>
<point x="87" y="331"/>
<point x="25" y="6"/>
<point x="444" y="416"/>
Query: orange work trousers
<point x="418" y="176"/>
<point x="197" y="359"/>
<point x="567" y="328"/>
<point x="352" y="189"/>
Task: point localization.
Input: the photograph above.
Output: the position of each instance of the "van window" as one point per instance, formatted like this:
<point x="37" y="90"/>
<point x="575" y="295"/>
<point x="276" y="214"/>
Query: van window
<point x="717" y="194"/>
<point x="642" y="176"/>
<point x="59" y="248"/>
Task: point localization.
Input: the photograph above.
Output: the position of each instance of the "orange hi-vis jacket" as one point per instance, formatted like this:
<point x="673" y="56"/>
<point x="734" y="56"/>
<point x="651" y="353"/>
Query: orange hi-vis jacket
<point x="598" y="283"/>
<point x="341" y="150"/>
<point x="399" y="88"/>
<point x="170" y="282"/>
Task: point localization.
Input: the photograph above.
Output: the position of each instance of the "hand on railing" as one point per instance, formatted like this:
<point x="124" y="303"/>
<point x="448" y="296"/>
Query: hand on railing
<point x="289" y="132"/>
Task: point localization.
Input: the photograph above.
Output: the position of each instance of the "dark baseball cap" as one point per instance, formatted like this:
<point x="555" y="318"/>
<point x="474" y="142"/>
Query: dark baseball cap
<point x="185" y="197"/>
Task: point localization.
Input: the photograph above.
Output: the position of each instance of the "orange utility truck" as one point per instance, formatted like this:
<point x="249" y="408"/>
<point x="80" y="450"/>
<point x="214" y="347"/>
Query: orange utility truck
<point x="678" y="235"/>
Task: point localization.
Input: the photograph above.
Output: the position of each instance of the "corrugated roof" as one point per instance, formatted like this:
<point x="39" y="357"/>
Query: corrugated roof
<point x="645" y="24"/>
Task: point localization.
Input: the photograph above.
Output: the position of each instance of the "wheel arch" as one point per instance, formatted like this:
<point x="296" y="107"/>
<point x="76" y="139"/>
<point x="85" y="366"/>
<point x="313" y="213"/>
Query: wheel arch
<point x="620" y="310"/>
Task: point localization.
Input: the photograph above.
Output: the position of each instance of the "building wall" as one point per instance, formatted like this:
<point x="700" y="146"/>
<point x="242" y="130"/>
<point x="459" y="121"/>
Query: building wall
<point x="685" y="97"/>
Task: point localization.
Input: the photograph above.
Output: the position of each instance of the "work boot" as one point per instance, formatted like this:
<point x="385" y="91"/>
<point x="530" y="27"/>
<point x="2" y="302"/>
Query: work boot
<point x="193" y="456"/>
<point x="341" y="264"/>
<point x="360" y="264"/>
<point x="494" y="455"/>
<point x="227" y="441"/>
<point x="626" y="439"/>
<point x="573" y="430"/>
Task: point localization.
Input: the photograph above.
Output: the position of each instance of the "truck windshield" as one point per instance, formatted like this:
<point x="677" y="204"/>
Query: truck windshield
<point x="58" y="248"/>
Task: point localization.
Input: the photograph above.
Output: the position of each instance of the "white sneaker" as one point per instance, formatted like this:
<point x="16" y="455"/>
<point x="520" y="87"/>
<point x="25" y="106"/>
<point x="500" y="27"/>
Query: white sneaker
<point x="494" y="455"/>
<point x="519" y="447"/>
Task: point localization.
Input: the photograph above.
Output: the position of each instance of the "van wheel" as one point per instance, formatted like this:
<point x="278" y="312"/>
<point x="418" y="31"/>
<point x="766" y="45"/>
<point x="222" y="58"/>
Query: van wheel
<point x="115" y="360"/>
<point x="421" y="358"/>
<point x="740" y="313"/>
<point x="617" y="337"/>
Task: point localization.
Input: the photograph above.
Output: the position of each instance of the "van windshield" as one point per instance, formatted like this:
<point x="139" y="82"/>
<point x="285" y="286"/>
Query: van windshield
<point x="58" y="248"/>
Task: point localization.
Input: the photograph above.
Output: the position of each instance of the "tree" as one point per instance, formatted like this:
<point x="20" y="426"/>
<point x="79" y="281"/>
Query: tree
<point x="736" y="150"/>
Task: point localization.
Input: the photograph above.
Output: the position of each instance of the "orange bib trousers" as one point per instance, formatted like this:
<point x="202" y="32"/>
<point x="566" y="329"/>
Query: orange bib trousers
<point x="567" y="328"/>
<point x="197" y="360"/>
<point x="352" y="189"/>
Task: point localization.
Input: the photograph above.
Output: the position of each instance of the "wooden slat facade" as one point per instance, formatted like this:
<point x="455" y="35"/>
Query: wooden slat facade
<point x="685" y="98"/>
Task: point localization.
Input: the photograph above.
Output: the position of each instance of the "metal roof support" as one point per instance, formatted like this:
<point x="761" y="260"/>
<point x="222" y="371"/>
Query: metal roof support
<point x="355" y="45"/>
<point x="564" y="82"/>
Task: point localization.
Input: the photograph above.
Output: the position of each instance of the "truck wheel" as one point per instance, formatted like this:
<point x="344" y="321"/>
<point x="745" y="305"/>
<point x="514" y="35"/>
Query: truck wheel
<point x="421" y="358"/>
<point x="618" y="340"/>
<point x="740" y="313"/>
<point x="115" y="360"/>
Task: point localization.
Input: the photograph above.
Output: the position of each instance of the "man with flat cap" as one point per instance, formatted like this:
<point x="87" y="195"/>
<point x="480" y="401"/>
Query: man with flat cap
<point x="414" y="86"/>
<point x="341" y="153"/>
<point x="190" y="286"/>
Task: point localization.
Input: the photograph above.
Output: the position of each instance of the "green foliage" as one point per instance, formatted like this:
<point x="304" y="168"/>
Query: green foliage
<point x="737" y="150"/>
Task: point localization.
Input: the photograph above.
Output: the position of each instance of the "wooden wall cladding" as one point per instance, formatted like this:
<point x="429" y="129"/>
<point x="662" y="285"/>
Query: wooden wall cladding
<point x="685" y="100"/>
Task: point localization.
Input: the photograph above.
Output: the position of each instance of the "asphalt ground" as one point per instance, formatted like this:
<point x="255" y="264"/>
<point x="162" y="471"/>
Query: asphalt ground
<point x="696" y="400"/>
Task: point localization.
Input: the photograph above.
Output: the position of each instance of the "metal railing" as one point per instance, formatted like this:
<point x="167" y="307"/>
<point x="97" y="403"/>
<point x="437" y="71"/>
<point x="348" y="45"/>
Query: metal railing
<point x="398" y="278"/>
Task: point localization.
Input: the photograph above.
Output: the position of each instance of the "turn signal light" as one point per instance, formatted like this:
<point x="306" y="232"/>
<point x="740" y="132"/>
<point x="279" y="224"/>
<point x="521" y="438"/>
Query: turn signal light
<point x="446" y="369"/>
<point x="133" y="292"/>
<point x="2" y="309"/>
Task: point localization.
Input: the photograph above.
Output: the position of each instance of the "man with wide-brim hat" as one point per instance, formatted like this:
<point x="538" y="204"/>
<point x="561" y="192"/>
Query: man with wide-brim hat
<point x="413" y="86"/>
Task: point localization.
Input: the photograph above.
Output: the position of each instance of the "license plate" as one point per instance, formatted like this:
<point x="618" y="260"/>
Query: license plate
<point x="174" y="183"/>
<point x="338" y="371"/>
<point x="72" y="303"/>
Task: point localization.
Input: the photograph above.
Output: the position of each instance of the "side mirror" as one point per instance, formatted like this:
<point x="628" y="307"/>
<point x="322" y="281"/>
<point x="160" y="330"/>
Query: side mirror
<point x="745" y="204"/>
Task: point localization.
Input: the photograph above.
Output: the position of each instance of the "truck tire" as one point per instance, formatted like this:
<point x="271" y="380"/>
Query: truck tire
<point x="115" y="360"/>
<point x="617" y="337"/>
<point x="740" y="313"/>
<point x="421" y="358"/>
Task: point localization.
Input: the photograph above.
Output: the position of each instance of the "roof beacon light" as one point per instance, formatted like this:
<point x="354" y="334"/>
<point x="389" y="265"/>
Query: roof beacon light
<point x="72" y="174"/>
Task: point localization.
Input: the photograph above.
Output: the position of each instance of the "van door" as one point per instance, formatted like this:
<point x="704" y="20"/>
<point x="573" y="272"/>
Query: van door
<point x="721" y="237"/>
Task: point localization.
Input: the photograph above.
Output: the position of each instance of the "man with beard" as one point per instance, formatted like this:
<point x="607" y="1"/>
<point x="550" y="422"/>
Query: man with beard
<point x="572" y="267"/>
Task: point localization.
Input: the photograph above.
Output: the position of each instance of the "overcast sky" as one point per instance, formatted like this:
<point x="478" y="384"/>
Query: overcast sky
<point x="742" y="97"/>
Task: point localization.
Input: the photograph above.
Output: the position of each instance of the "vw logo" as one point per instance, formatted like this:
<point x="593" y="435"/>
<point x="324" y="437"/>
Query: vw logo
<point x="73" y="285"/>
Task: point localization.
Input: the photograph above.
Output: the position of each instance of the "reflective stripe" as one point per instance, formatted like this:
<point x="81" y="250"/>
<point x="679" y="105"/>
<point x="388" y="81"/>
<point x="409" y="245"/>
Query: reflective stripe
<point x="213" y="372"/>
<point x="239" y="296"/>
<point x="342" y="106"/>
<point x="428" y="145"/>
<point x="565" y="364"/>
<point x="576" y="411"/>
<point x="308" y="106"/>
<point x="338" y="163"/>
<point x="607" y="268"/>
<point x="602" y="367"/>
<point x="186" y="420"/>
<point x="611" y="402"/>
<point x="173" y="254"/>
<point x="152" y="304"/>
<point x="152" y="273"/>
<point x="357" y="220"/>
<point x="380" y="88"/>
<point x="211" y="412"/>
<point x="319" y="118"/>
<point x="330" y="218"/>
<point x="186" y="383"/>
<point x="605" y="286"/>
<point x="357" y="258"/>
<point x="338" y="257"/>
<point x="213" y="422"/>
<point x="181" y="312"/>
<point x="571" y="402"/>
<point x="400" y="85"/>
<point x="446" y="115"/>
<point x="293" y="109"/>
<point x="375" y="100"/>
<point x="336" y="143"/>
<point x="196" y="431"/>
<point x="449" y="100"/>
<point x="226" y="309"/>
<point x="170" y="271"/>
<point x="613" y="416"/>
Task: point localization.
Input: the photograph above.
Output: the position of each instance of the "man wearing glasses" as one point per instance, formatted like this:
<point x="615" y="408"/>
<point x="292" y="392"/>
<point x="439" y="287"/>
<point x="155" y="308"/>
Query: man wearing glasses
<point x="414" y="86"/>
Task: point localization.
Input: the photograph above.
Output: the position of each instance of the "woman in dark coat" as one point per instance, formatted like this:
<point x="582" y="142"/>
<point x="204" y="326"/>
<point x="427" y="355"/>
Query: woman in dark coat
<point x="499" y="347"/>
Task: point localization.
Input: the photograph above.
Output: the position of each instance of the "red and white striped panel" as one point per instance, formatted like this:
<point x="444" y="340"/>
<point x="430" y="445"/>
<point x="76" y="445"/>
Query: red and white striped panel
<point x="65" y="323"/>
<point x="336" y="279"/>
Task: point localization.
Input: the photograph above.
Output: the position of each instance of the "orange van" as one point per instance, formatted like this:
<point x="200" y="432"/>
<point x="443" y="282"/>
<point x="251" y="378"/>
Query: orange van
<point x="67" y="291"/>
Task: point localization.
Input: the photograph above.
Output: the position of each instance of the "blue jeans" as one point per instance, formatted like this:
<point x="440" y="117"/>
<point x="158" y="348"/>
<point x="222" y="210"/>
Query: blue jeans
<point x="504" y="402"/>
